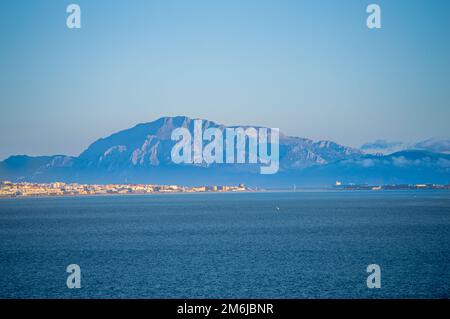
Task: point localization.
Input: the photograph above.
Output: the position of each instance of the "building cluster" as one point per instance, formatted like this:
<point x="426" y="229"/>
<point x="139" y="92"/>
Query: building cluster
<point x="9" y="189"/>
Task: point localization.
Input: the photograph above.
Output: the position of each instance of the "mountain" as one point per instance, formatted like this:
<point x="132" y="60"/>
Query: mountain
<point x="383" y="147"/>
<point x="142" y="154"/>
<point x="27" y="168"/>
<point x="434" y="145"/>
<point x="404" y="167"/>
<point x="388" y="147"/>
<point x="149" y="145"/>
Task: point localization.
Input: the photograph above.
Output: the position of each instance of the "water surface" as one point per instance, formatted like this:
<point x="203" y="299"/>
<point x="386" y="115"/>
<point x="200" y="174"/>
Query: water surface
<point x="316" y="245"/>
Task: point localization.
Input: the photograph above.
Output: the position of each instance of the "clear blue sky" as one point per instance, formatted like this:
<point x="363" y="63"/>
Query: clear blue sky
<point x="311" y="68"/>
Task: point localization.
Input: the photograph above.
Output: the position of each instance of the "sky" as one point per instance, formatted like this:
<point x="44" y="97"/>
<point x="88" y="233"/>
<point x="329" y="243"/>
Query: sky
<point x="309" y="67"/>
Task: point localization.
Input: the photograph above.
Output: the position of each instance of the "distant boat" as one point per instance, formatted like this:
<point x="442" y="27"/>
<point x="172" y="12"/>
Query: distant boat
<point x="277" y="208"/>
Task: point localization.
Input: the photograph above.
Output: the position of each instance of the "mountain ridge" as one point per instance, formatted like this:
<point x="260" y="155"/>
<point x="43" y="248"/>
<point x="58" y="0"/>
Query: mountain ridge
<point x="142" y="154"/>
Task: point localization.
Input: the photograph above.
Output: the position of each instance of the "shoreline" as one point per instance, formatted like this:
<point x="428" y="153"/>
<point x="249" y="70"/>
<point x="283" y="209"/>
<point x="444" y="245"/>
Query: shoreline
<point x="259" y="191"/>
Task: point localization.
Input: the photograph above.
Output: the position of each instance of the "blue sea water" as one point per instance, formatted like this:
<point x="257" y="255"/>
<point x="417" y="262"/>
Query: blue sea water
<point x="316" y="245"/>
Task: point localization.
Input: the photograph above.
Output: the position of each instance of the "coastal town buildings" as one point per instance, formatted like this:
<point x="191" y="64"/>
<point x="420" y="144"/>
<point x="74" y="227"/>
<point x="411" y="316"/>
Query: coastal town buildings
<point x="9" y="189"/>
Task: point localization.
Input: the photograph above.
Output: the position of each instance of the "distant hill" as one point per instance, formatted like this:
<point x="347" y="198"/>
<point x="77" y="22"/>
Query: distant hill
<point x="388" y="147"/>
<point x="142" y="155"/>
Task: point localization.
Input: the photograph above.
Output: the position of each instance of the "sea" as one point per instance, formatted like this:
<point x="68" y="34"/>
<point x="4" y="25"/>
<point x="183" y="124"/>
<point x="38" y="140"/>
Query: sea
<point x="304" y="244"/>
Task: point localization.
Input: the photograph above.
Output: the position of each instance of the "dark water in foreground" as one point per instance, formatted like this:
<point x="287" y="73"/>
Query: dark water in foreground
<point x="317" y="245"/>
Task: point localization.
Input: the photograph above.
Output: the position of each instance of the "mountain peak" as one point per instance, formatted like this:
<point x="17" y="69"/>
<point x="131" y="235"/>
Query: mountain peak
<point x="143" y="154"/>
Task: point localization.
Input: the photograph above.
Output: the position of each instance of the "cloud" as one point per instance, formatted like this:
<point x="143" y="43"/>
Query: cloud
<point x="367" y="163"/>
<point x="434" y="145"/>
<point x="400" y="161"/>
<point x="381" y="144"/>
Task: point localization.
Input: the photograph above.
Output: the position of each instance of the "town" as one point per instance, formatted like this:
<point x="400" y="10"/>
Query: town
<point x="9" y="189"/>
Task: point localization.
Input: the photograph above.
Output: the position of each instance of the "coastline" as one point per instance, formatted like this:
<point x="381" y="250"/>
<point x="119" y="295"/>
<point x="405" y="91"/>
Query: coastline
<point x="259" y="191"/>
